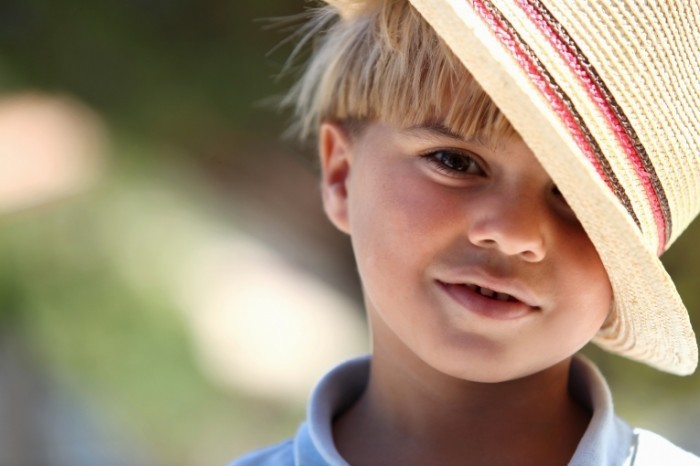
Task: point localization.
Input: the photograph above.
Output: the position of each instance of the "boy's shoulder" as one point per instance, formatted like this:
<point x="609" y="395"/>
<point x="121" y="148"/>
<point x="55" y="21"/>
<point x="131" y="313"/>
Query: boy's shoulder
<point x="313" y="443"/>
<point x="304" y="449"/>
<point x="653" y="450"/>
<point x="281" y="454"/>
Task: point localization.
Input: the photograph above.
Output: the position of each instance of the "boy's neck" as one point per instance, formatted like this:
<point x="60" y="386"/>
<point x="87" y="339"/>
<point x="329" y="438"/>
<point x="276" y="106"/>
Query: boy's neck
<point x="412" y="414"/>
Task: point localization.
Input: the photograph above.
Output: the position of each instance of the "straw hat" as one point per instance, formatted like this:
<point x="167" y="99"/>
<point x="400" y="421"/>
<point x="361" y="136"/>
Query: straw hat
<point x="607" y="95"/>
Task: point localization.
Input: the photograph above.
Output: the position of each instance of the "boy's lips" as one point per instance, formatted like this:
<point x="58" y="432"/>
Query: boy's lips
<point x="501" y="300"/>
<point x="489" y="293"/>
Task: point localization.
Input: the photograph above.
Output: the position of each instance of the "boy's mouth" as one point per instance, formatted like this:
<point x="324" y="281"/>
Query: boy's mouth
<point x="482" y="290"/>
<point x="488" y="302"/>
<point x="507" y="291"/>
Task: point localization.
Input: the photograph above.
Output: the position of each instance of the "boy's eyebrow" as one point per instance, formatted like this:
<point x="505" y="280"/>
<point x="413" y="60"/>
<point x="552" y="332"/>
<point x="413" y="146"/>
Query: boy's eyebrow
<point x="442" y="130"/>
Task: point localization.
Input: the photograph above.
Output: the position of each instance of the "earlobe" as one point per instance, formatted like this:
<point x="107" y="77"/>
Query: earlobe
<point x="335" y="150"/>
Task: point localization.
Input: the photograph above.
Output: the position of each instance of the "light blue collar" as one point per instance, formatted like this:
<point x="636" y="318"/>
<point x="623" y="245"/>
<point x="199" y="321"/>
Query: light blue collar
<point x="607" y="441"/>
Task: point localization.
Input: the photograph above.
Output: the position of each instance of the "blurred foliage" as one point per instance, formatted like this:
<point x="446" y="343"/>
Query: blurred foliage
<point x="161" y="68"/>
<point x="123" y="341"/>
<point x="168" y="77"/>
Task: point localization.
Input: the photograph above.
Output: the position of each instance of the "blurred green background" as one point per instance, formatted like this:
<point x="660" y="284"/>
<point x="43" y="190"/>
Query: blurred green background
<point x="122" y="338"/>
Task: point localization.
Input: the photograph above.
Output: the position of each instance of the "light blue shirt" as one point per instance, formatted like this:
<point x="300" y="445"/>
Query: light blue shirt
<point x="608" y="441"/>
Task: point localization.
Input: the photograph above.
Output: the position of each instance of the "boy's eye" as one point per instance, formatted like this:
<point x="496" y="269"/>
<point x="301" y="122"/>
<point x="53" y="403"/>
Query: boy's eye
<point x="454" y="163"/>
<point x="559" y="196"/>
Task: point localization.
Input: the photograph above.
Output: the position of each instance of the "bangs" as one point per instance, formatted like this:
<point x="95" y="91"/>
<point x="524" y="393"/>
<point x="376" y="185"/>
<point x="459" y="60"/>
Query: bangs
<point x="380" y="61"/>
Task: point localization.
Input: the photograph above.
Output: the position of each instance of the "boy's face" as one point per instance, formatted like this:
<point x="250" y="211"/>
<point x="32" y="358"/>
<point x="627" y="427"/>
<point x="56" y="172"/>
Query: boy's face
<point x="469" y="257"/>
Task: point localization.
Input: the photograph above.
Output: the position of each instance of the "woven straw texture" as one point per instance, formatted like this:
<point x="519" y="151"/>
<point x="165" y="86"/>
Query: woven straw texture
<point x="606" y="95"/>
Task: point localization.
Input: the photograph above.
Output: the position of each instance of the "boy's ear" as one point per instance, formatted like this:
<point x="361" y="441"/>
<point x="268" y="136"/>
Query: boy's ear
<point x="335" y="150"/>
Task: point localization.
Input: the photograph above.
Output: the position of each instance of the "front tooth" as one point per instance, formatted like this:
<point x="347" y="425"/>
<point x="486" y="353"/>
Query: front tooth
<point x="487" y="292"/>
<point x="502" y="296"/>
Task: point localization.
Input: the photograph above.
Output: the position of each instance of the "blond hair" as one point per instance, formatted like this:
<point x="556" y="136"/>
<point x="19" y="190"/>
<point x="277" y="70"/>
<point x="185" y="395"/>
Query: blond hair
<point x="378" y="60"/>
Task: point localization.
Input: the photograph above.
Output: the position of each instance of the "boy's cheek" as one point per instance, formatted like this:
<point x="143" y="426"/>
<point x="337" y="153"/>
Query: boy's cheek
<point x="400" y="220"/>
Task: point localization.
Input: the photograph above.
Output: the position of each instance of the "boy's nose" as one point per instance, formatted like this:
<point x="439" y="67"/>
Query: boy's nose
<point x="514" y="226"/>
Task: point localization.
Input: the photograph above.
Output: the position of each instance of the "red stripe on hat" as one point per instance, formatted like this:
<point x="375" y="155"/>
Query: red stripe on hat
<point x="580" y="67"/>
<point x="542" y="84"/>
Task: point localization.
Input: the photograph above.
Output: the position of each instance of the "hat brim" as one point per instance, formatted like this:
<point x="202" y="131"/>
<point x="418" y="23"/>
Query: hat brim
<point x="648" y="321"/>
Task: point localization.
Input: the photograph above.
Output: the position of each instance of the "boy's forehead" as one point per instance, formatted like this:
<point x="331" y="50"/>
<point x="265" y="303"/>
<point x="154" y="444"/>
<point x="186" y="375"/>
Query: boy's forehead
<point x="435" y="130"/>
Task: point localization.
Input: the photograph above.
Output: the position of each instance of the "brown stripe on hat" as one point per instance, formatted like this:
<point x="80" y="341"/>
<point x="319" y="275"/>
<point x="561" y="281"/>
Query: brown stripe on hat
<point x="559" y="100"/>
<point x="617" y="120"/>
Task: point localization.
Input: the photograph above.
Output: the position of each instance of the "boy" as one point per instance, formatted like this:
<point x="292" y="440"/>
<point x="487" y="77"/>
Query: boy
<point x="497" y="231"/>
